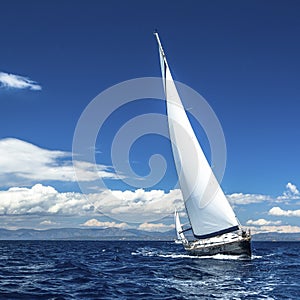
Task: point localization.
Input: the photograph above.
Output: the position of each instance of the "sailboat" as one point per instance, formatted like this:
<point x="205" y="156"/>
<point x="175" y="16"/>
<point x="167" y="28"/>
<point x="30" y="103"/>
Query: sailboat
<point x="215" y="227"/>
<point x="181" y="239"/>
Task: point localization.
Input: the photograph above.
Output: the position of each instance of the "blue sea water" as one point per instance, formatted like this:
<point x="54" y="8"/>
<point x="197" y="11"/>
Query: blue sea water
<point x="144" y="270"/>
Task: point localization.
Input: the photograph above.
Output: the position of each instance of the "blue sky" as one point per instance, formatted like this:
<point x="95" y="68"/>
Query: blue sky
<point x="242" y="57"/>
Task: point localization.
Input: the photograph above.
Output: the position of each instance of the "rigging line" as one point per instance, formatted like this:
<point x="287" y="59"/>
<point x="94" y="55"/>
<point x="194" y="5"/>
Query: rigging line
<point x="184" y="230"/>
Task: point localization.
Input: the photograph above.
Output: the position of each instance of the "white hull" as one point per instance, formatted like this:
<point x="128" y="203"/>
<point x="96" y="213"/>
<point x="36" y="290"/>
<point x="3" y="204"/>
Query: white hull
<point x="229" y="244"/>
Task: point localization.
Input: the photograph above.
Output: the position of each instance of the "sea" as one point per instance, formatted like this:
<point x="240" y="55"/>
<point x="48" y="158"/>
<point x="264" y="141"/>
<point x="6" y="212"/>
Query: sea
<point x="144" y="270"/>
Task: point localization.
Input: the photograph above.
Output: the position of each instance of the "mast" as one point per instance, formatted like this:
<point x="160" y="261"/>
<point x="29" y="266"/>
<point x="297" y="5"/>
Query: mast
<point x="208" y="210"/>
<point x="160" y="46"/>
<point x="163" y="60"/>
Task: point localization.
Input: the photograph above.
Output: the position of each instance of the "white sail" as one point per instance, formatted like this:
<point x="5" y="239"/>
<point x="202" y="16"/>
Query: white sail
<point x="207" y="207"/>
<point x="178" y="227"/>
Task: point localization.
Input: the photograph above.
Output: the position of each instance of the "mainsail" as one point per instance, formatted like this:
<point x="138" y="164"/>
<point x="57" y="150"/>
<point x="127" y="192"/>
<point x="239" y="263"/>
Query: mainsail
<point x="208" y="210"/>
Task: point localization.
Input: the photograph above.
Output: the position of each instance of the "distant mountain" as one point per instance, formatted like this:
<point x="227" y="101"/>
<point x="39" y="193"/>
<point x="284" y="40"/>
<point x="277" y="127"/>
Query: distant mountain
<point x="274" y="236"/>
<point x="84" y="234"/>
<point x="116" y="234"/>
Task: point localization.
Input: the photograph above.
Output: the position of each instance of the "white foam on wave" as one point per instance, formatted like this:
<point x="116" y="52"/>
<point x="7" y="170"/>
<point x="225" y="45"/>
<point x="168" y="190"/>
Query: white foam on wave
<point x="152" y="252"/>
<point x="256" y="256"/>
<point x="176" y="255"/>
<point x="229" y="257"/>
<point x="145" y="252"/>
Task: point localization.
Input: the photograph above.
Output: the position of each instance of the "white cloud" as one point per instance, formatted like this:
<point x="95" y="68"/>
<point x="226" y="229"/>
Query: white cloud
<point x="261" y="222"/>
<point x="278" y="229"/>
<point x="277" y="211"/>
<point x="291" y="193"/>
<point x="18" y="82"/>
<point x="155" y="227"/>
<point x="242" y="199"/>
<point x="292" y="188"/>
<point x="265" y="226"/>
<point x="47" y="222"/>
<point x="96" y="223"/>
<point x="22" y="163"/>
<point x="42" y="200"/>
<point x="138" y="206"/>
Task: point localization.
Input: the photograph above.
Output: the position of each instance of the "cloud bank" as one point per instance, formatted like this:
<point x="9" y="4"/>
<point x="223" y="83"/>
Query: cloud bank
<point x="23" y="163"/>
<point x="42" y="200"/>
<point x="139" y="205"/>
<point x="46" y="200"/>
<point x="262" y="222"/>
<point x="277" y="211"/>
<point x="18" y="82"/>
<point x="155" y="227"/>
<point x="288" y="197"/>
<point x="244" y="199"/>
<point x="107" y="224"/>
<point x="291" y="193"/>
<point x="275" y="229"/>
<point x="152" y="227"/>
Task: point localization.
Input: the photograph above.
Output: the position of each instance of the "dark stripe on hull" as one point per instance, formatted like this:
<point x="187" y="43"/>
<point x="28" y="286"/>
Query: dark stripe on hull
<point x="227" y="230"/>
<point x="241" y="248"/>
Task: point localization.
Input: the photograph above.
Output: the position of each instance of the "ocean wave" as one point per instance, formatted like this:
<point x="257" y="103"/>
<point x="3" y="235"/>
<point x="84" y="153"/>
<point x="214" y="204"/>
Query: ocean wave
<point x="146" y="270"/>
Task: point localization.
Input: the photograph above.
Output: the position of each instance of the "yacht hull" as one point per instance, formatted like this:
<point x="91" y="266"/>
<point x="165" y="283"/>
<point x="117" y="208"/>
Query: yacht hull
<point x="241" y="247"/>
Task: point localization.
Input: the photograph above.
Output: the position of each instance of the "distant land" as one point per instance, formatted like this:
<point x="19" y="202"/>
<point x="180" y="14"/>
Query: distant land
<point x="103" y="234"/>
<point x="100" y="234"/>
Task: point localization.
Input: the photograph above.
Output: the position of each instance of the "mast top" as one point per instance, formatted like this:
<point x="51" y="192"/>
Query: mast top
<point x="159" y="44"/>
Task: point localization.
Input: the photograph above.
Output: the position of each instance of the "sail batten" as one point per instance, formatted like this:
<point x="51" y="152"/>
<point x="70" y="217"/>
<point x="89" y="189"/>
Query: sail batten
<point x="207" y="207"/>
